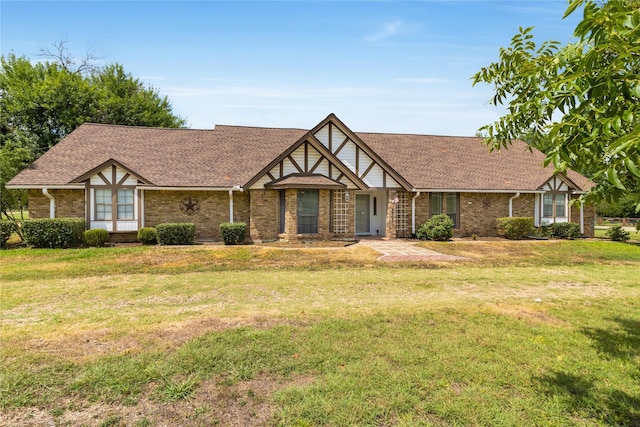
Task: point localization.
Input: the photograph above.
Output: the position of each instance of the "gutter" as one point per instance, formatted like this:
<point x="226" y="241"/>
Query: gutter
<point x="511" y="204"/>
<point x="52" y="203"/>
<point x="413" y="213"/>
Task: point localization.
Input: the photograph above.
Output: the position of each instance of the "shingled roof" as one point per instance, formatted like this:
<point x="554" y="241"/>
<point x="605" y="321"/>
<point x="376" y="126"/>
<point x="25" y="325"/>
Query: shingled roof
<point x="231" y="156"/>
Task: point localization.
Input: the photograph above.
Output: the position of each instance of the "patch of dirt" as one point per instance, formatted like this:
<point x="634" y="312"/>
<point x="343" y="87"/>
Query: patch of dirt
<point x="247" y="403"/>
<point x="527" y="313"/>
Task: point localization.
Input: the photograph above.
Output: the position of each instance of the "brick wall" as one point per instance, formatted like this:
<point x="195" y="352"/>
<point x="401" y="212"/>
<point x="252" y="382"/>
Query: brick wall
<point x="589" y="215"/>
<point x="164" y="206"/>
<point x="478" y="211"/>
<point x="69" y="204"/>
<point x="265" y="215"/>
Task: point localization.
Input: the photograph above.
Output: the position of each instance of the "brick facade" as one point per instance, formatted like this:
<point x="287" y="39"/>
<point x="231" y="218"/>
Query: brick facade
<point x="69" y="204"/>
<point x="589" y="216"/>
<point x="264" y="222"/>
<point x="164" y="206"/>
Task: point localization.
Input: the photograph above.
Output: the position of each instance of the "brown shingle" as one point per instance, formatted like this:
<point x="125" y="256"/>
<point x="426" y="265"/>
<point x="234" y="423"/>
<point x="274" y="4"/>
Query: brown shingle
<point x="233" y="155"/>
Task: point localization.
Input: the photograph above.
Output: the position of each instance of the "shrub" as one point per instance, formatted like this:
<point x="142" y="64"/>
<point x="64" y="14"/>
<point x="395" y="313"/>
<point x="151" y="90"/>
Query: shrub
<point x="95" y="238"/>
<point x="53" y="232"/>
<point x="176" y="233"/>
<point x="233" y="233"/>
<point x="148" y="236"/>
<point x="565" y="230"/>
<point x="438" y="227"/>
<point x="618" y="234"/>
<point x="515" y="228"/>
<point x="6" y="230"/>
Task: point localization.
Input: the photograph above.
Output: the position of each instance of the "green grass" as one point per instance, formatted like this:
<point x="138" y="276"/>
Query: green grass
<point x="522" y="333"/>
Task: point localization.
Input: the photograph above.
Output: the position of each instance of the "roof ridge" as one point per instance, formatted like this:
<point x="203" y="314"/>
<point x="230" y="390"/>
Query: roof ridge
<point x="142" y="127"/>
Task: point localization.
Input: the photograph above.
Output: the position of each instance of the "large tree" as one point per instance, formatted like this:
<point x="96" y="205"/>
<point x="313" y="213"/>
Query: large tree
<point x="42" y="102"/>
<point x="582" y="98"/>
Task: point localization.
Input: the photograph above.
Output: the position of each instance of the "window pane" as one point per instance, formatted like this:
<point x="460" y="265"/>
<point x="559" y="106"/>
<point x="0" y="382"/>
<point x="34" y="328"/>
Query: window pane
<point x="125" y="196"/>
<point x="436" y="203"/>
<point x="547" y="208"/>
<point x="560" y="205"/>
<point x="452" y="208"/>
<point x="103" y="205"/>
<point x="308" y="206"/>
<point x="125" y="204"/>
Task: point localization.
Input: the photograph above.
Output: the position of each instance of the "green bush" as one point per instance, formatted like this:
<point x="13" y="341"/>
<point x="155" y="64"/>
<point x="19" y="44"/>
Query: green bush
<point x="233" y="233"/>
<point x="438" y="227"/>
<point x="95" y="238"/>
<point x="565" y="230"/>
<point x="53" y="232"/>
<point x="617" y="234"/>
<point x="515" y="228"/>
<point x="7" y="228"/>
<point x="148" y="236"/>
<point x="176" y="233"/>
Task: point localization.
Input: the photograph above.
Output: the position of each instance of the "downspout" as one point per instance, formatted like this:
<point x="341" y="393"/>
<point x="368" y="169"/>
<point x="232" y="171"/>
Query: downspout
<point x="511" y="204"/>
<point x="581" y="217"/>
<point x="413" y="213"/>
<point x="52" y="203"/>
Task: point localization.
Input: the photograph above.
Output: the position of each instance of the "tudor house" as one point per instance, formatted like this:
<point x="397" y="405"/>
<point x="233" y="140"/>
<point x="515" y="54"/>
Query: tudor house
<point x="328" y="182"/>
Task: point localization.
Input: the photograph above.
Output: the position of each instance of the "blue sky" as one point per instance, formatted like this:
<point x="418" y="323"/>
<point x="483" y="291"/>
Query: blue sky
<point x="380" y="66"/>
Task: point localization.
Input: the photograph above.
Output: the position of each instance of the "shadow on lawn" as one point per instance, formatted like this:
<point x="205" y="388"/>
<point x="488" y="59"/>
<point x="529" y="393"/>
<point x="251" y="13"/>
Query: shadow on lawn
<point x="586" y="394"/>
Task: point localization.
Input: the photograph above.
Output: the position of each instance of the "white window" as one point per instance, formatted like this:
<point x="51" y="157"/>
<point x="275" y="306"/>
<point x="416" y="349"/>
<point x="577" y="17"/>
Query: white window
<point x="125" y="204"/>
<point x="104" y="205"/>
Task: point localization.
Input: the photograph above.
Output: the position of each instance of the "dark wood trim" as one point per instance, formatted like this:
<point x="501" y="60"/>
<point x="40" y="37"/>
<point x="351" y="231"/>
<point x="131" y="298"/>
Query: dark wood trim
<point x="306" y="157"/>
<point x="124" y="178"/>
<point x="314" y="167"/>
<point x="281" y="169"/>
<point x="369" y="170"/>
<point x="104" y="179"/>
<point x="330" y="137"/>
<point x="87" y="203"/>
<point x="105" y="165"/>
<point x="341" y="146"/>
<point x="295" y="164"/>
<point x="271" y="176"/>
<point x="340" y="177"/>
<point x="114" y="199"/>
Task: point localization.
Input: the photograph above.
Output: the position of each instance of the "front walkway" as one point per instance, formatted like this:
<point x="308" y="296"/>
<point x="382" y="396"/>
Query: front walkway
<point x="405" y="250"/>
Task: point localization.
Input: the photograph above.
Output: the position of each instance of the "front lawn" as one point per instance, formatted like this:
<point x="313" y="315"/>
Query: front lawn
<point x="522" y="333"/>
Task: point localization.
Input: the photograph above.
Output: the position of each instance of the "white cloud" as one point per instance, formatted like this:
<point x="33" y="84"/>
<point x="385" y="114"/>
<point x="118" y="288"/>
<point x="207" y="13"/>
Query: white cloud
<point x="388" y="29"/>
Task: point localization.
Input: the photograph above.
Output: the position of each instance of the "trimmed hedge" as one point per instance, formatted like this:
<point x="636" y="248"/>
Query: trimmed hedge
<point x="233" y="233"/>
<point x="148" y="236"/>
<point x="438" y="227"/>
<point x="176" y="233"/>
<point x="515" y="228"/>
<point x="95" y="238"/>
<point x="53" y="232"/>
<point x="565" y="230"/>
<point x="559" y="230"/>
<point x="7" y="228"/>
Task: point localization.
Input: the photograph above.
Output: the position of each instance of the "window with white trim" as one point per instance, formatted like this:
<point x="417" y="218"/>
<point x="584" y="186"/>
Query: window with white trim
<point x="555" y="201"/>
<point x="125" y="204"/>
<point x="104" y="204"/>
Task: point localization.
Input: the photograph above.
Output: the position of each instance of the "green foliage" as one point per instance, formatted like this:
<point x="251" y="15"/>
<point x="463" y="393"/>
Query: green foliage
<point x="42" y="102"/>
<point x="176" y="233"/>
<point x="438" y="227"/>
<point x="233" y="233"/>
<point x="53" y="232"/>
<point x="581" y="99"/>
<point x="148" y="236"/>
<point x="7" y="228"/>
<point x="515" y="228"/>
<point x="565" y="230"/>
<point x="618" y="234"/>
<point x="95" y="238"/>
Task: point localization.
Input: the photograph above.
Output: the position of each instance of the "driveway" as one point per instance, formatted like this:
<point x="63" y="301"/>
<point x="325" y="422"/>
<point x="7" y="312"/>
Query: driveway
<point x="405" y="250"/>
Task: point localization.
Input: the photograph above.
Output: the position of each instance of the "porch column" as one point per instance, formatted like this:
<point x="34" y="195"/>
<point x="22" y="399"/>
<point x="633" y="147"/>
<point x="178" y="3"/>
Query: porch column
<point x="392" y="200"/>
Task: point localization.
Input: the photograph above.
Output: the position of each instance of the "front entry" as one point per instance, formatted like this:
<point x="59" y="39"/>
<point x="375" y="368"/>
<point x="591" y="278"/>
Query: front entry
<point x="363" y="210"/>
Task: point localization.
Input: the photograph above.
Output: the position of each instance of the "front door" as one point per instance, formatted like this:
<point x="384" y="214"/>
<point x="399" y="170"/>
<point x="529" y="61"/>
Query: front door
<point x="363" y="219"/>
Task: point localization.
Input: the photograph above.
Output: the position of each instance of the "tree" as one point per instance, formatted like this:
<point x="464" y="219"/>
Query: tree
<point x="582" y="99"/>
<point x="42" y="102"/>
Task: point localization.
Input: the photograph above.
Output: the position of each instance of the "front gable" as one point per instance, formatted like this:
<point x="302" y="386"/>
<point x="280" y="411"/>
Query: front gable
<point x="333" y="151"/>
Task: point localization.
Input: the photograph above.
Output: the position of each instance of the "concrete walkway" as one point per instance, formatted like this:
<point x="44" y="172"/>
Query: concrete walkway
<point x="405" y="250"/>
